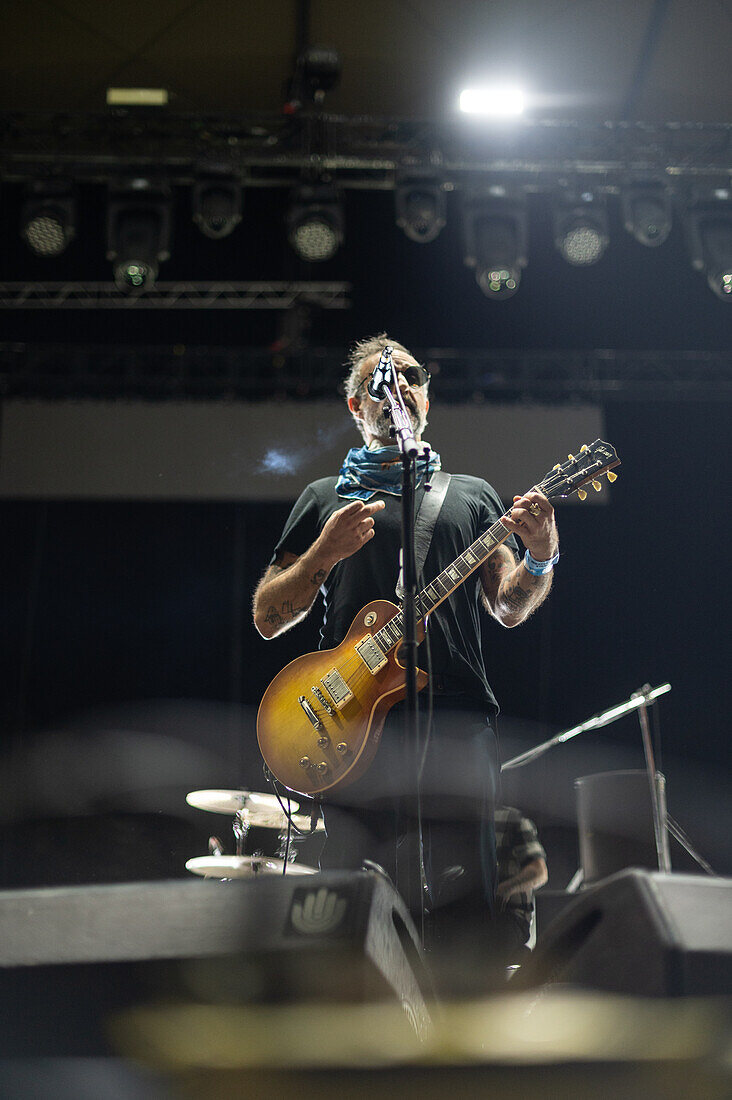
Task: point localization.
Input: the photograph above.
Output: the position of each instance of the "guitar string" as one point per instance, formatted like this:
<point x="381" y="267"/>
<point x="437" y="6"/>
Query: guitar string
<point x="353" y="665"/>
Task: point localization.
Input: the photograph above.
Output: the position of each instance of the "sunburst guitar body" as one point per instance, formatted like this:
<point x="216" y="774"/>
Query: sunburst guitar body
<point x="320" y="720"/>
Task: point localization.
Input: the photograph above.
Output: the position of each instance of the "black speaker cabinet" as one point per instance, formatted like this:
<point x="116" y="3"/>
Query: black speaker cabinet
<point x="69" y="956"/>
<point x="641" y="932"/>
<point x="615" y="822"/>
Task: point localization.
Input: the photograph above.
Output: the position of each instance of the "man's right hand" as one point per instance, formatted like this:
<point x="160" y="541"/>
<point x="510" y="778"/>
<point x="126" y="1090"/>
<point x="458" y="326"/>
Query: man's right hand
<point x="348" y="529"/>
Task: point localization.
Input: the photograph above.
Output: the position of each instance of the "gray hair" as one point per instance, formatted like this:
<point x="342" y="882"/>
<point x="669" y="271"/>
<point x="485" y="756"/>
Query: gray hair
<point x="360" y="352"/>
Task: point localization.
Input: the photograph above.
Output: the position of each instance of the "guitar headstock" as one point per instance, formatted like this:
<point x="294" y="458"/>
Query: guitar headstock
<point x="569" y="477"/>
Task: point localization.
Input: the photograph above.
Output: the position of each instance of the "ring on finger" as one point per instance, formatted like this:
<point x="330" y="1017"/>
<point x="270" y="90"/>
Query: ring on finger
<point x="534" y="508"/>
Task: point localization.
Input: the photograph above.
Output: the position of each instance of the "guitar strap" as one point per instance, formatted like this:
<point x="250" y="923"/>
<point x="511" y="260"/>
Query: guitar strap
<point x="425" y="521"/>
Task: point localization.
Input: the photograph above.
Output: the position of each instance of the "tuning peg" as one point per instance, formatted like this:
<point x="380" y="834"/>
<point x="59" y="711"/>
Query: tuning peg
<point x="571" y="458"/>
<point x="557" y="467"/>
<point x="584" y="447"/>
<point x="596" y="485"/>
<point x="611" y="476"/>
<point x="582" y="494"/>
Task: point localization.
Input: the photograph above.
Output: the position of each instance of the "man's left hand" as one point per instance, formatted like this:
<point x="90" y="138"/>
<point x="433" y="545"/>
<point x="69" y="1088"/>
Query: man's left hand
<point x="532" y="519"/>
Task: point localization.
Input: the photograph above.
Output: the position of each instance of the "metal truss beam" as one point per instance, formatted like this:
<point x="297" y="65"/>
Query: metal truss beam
<point x="271" y="150"/>
<point x="175" y="295"/>
<point x="97" y="371"/>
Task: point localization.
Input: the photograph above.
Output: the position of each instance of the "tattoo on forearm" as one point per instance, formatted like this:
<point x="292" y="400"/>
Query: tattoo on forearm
<point x="318" y="578"/>
<point x="273" y="617"/>
<point x="518" y="599"/>
<point x="289" y="611"/>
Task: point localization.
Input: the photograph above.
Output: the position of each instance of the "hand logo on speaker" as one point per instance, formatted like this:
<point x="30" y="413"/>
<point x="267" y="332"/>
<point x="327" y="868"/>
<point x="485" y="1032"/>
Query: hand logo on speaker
<point x="321" y="911"/>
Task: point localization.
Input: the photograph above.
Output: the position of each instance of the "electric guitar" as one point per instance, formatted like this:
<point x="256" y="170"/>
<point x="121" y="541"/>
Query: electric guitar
<point x="320" y="720"/>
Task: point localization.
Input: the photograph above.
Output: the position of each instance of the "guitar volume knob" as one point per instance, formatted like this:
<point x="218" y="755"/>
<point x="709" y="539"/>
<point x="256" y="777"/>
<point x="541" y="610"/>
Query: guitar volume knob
<point x="324" y="740"/>
<point x="321" y="767"/>
<point x="304" y="761"/>
<point x="342" y="747"/>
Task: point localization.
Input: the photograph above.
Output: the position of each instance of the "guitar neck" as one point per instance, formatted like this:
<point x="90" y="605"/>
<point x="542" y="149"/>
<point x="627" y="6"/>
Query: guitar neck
<point x="445" y="583"/>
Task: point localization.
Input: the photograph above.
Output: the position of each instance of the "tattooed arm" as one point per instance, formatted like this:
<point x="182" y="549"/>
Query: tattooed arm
<point x="510" y="592"/>
<point x="288" y="589"/>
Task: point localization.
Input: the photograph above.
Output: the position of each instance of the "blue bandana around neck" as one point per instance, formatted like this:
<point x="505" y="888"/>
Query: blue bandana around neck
<point x="365" y="472"/>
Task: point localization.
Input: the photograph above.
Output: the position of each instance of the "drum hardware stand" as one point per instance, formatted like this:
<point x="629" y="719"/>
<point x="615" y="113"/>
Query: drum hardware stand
<point x="663" y="825"/>
<point x="241" y="829"/>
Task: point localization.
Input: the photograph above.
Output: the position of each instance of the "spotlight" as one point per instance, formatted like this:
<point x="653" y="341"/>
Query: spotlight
<point x="709" y="235"/>
<point x="317" y="71"/>
<point x="420" y="209"/>
<point x="138" y="234"/>
<point x="580" y="227"/>
<point x="496" y="241"/>
<point x="47" y="218"/>
<point x="216" y="206"/>
<point x="647" y="212"/>
<point x="496" y="101"/>
<point x="315" y="222"/>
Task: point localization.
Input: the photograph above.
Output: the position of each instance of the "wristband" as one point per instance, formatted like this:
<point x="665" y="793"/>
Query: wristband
<point x="539" y="568"/>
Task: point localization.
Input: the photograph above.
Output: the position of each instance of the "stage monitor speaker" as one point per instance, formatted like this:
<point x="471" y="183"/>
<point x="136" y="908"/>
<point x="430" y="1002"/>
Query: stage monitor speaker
<point x="641" y="932"/>
<point x="83" y="951"/>
<point x="615" y="822"/>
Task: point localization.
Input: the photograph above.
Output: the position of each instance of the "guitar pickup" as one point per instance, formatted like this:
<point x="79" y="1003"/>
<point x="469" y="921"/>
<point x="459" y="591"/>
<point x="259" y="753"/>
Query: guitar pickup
<point x="370" y="654"/>
<point x="337" y="688"/>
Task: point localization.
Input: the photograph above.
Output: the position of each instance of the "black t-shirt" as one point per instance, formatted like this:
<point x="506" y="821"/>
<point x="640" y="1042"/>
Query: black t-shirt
<point x="470" y="507"/>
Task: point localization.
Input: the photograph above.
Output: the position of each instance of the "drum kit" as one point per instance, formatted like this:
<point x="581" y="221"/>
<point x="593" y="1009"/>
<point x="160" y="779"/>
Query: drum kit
<point x="248" y="809"/>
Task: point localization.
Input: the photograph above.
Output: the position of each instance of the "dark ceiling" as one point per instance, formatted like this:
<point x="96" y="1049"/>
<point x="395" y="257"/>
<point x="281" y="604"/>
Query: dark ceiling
<point x="643" y="59"/>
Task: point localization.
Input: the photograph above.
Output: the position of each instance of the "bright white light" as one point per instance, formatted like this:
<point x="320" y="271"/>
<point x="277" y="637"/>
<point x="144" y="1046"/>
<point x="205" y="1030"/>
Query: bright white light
<point x="499" y="101"/>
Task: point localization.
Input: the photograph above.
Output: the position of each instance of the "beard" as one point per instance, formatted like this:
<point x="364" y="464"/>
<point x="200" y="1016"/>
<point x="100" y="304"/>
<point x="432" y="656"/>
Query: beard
<point x="379" y="422"/>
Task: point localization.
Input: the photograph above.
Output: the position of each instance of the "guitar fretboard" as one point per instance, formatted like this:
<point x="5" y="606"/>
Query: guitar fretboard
<point x="445" y="583"/>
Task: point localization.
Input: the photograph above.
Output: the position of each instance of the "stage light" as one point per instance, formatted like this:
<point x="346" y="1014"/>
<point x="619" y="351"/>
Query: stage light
<point x="138" y="234"/>
<point x="647" y="212"/>
<point x="315" y="222"/>
<point x="495" y="228"/>
<point x="48" y="218"/>
<point x="420" y="209"/>
<point x="580" y="227"/>
<point x="494" y="101"/>
<point x="217" y="205"/>
<point x="709" y="236"/>
<point x="317" y="72"/>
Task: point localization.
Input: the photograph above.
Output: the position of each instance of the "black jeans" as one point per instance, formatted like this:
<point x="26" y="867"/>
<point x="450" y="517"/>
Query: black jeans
<point x="446" y="868"/>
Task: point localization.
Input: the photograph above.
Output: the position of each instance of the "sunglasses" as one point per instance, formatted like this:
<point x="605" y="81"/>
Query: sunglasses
<point x="413" y="373"/>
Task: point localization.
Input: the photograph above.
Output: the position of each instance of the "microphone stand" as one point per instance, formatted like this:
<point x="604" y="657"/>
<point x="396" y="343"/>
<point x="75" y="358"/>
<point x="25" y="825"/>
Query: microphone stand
<point x="663" y="823"/>
<point x="410" y="449"/>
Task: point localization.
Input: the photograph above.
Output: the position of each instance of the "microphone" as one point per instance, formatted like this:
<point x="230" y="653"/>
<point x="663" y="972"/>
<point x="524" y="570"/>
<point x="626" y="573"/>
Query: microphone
<point x="383" y="377"/>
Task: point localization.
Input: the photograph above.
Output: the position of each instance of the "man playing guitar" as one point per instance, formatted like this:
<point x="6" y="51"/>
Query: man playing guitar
<point x="342" y="539"/>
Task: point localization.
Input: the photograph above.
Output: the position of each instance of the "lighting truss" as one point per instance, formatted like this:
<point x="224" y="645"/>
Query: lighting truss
<point x="175" y="295"/>
<point x="265" y="150"/>
<point x="47" y="371"/>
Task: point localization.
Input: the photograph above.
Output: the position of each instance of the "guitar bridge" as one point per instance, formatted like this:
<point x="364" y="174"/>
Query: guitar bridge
<point x="312" y="716"/>
<point x="370" y="654"/>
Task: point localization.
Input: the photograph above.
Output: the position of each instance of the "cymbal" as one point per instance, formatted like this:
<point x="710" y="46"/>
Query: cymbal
<point x="260" y="810"/>
<point x="243" y="866"/>
<point x="232" y="802"/>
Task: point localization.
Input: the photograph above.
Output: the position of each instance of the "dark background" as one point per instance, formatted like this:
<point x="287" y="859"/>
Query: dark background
<point x="134" y="618"/>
